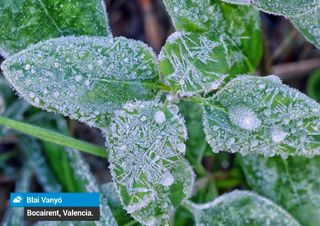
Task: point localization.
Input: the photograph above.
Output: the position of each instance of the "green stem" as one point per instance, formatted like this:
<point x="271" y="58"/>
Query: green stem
<point x="54" y="137"/>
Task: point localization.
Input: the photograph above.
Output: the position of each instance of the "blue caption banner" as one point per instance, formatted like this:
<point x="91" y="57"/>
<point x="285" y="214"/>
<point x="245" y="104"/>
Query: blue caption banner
<point x="54" y="199"/>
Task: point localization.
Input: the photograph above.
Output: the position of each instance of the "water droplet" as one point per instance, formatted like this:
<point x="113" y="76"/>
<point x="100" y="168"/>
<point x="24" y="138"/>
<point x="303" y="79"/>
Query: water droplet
<point x="167" y="179"/>
<point x="278" y="135"/>
<point x="181" y="147"/>
<point x="159" y="117"/>
<point x="143" y="118"/>
<point x="174" y="109"/>
<point x="27" y="67"/>
<point x="245" y="118"/>
<point x="87" y="82"/>
<point x="78" y="78"/>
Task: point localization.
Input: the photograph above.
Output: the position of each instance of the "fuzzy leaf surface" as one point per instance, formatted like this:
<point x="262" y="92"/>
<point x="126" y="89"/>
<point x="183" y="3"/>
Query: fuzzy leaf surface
<point x="146" y="143"/>
<point x="85" y="78"/>
<point x="197" y="62"/>
<point x="241" y="208"/>
<point x="261" y="115"/>
<point x="26" y="22"/>
<point x="293" y="183"/>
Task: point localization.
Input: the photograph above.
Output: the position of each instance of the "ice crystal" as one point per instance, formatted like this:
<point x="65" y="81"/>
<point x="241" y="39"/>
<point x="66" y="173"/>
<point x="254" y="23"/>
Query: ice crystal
<point x="199" y="62"/>
<point x="241" y="208"/>
<point x="151" y="162"/>
<point x="260" y="115"/>
<point x="292" y="183"/>
<point x="26" y="22"/>
<point x="94" y="82"/>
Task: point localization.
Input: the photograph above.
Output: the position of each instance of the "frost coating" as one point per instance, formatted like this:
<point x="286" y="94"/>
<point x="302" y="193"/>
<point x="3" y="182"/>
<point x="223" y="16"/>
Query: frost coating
<point x="292" y="183"/>
<point x="26" y="22"/>
<point x="83" y="77"/>
<point x="194" y="62"/>
<point x="145" y="161"/>
<point x="260" y="115"/>
<point x="241" y="208"/>
<point x="239" y="24"/>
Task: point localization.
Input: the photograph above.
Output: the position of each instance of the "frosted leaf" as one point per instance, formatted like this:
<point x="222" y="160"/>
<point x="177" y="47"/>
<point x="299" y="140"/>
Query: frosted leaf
<point x="239" y="25"/>
<point x="66" y="89"/>
<point x="309" y="25"/>
<point x="150" y="173"/>
<point x="84" y="176"/>
<point x="304" y="14"/>
<point x="292" y="183"/>
<point x="260" y="115"/>
<point x="281" y="7"/>
<point x="199" y="62"/>
<point x="26" y="22"/>
<point x="240" y="208"/>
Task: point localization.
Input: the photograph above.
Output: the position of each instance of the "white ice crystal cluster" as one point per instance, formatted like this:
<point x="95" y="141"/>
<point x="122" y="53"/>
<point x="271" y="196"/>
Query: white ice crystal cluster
<point x="195" y="62"/>
<point x="146" y="143"/>
<point x="241" y="208"/>
<point x="260" y="115"/>
<point x="84" y="77"/>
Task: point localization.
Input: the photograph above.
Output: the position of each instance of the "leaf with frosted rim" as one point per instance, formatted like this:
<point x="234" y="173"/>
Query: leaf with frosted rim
<point x="261" y="115"/>
<point x="304" y="14"/>
<point x="241" y="208"/>
<point x="239" y="25"/>
<point x="293" y="183"/>
<point x="26" y="22"/>
<point x="193" y="62"/>
<point x="84" y="77"/>
<point x="146" y="144"/>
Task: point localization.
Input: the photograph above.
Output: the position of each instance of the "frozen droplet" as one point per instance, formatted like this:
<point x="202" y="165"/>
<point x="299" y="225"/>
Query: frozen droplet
<point x="159" y="117"/>
<point x="87" y="82"/>
<point x="181" y="147"/>
<point x="278" y="135"/>
<point x="45" y="91"/>
<point x="174" y="109"/>
<point x="245" y="118"/>
<point x="56" y="64"/>
<point x="56" y="94"/>
<point x="27" y="67"/>
<point x="143" y="118"/>
<point x="100" y="62"/>
<point x="167" y="179"/>
<point x="78" y="78"/>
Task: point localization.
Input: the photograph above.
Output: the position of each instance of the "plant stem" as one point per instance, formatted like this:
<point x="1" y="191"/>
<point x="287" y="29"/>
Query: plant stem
<point x="54" y="137"/>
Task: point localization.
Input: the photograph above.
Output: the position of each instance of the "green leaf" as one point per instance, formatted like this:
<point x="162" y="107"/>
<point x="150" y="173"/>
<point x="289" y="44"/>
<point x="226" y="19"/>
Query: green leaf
<point x="32" y="151"/>
<point x="304" y="14"/>
<point x="25" y="22"/>
<point x="114" y="202"/>
<point x="196" y="143"/>
<point x="239" y="25"/>
<point x="240" y="208"/>
<point x="260" y="115"/>
<point x="292" y="183"/>
<point x="193" y="62"/>
<point x="313" y="85"/>
<point x="84" y="176"/>
<point x="15" y="216"/>
<point x="83" y="77"/>
<point x="146" y="142"/>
